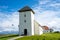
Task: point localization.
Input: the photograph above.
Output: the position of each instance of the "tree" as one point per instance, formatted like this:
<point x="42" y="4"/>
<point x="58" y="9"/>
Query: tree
<point x="51" y="30"/>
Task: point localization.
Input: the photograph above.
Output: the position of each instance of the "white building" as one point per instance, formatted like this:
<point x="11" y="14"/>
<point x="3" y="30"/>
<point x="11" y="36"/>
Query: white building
<point x="27" y="24"/>
<point x="45" y="29"/>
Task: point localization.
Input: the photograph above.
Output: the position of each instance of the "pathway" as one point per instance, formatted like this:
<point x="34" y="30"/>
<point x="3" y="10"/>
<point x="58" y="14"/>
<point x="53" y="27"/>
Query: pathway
<point x="15" y="38"/>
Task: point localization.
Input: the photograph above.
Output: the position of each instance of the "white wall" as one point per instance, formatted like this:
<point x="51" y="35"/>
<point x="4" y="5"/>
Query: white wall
<point x="29" y="23"/>
<point x="32" y="23"/>
<point x="46" y="31"/>
<point x="36" y="28"/>
<point x="40" y="30"/>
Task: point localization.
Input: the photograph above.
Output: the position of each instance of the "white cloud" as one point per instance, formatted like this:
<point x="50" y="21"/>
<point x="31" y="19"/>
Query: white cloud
<point x="48" y="17"/>
<point x="43" y="1"/>
<point x="49" y="5"/>
<point x="9" y="22"/>
<point x="56" y="4"/>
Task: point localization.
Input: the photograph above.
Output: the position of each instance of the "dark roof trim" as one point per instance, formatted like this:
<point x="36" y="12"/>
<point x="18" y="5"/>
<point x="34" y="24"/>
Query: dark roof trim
<point x="26" y="8"/>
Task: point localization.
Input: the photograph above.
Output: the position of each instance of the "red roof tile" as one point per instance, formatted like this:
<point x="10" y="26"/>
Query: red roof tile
<point x="45" y="27"/>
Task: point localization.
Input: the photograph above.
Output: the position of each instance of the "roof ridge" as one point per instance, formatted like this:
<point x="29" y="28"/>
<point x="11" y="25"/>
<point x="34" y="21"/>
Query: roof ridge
<point x="26" y="8"/>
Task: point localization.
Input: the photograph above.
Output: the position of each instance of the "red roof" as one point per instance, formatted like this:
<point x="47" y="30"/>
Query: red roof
<point x="45" y="27"/>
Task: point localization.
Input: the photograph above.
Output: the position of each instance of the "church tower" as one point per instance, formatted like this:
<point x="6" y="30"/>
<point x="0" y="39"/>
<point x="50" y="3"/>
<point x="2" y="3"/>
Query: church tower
<point x="26" y="21"/>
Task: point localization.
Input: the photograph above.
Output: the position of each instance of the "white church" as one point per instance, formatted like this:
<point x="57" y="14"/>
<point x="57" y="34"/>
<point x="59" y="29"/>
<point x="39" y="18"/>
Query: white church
<point x="27" y="24"/>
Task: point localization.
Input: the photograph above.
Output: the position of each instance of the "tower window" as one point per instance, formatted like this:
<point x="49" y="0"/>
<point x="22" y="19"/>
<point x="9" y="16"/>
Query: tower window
<point x="24" y="20"/>
<point x="24" y="15"/>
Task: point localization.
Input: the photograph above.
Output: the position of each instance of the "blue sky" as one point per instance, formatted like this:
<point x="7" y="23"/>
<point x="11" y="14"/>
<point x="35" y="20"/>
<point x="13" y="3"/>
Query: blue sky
<point x="47" y="12"/>
<point x="14" y="5"/>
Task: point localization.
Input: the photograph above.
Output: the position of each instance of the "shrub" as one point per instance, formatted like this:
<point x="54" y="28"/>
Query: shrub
<point x="56" y="32"/>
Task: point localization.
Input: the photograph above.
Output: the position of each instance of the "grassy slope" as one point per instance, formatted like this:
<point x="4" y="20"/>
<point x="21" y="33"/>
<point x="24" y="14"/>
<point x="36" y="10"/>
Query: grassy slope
<point x="5" y="37"/>
<point x="52" y="36"/>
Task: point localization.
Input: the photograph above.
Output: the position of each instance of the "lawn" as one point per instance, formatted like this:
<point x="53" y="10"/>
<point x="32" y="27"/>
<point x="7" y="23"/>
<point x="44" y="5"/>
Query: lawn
<point x="5" y="37"/>
<point x="48" y="36"/>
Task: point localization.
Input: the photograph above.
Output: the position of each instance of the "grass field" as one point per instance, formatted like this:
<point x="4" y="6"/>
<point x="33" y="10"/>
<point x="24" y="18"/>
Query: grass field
<point x="48" y="36"/>
<point x="5" y="37"/>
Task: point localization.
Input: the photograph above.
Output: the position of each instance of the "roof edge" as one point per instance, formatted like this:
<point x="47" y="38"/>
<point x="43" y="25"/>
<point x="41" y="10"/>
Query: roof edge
<point x="26" y="8"/>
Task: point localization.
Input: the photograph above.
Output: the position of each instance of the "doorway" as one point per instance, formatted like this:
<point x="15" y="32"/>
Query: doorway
<point x="25" y="31"/>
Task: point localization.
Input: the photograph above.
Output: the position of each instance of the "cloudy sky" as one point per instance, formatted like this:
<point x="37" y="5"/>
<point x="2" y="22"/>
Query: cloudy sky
<point x="47" y="12"/>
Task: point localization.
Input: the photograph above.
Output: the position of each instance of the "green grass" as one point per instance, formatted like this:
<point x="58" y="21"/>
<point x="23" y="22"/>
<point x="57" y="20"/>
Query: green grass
<point x="48" y="36"/>
<point x="5" y="37"/>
